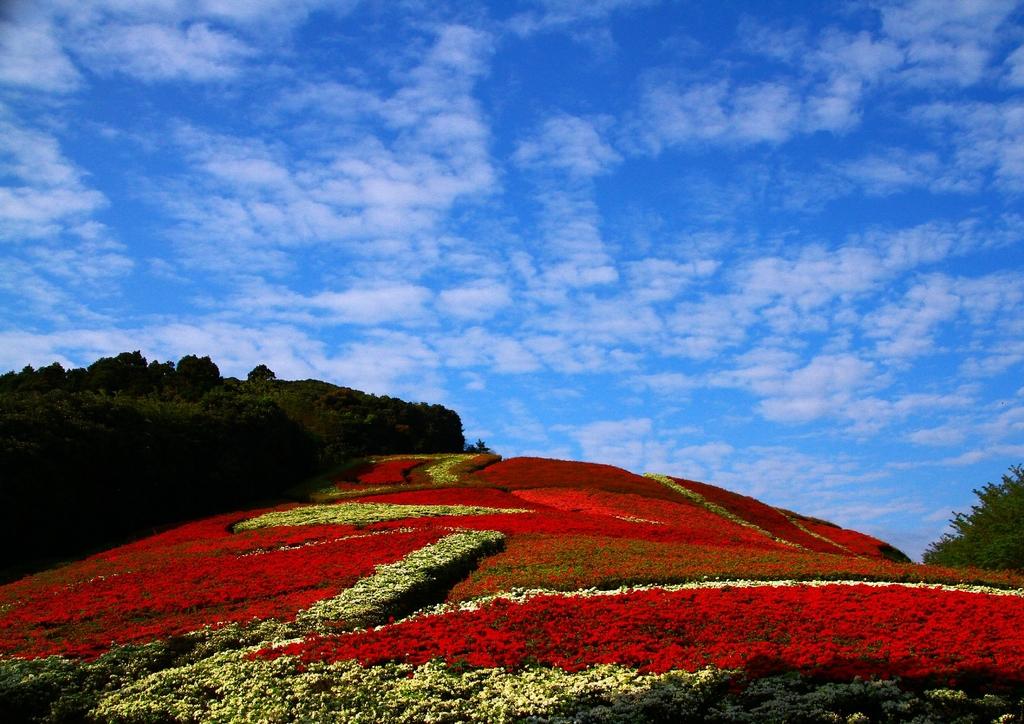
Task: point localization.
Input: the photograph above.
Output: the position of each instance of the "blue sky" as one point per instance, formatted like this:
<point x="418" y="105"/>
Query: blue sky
<point x="775" y="246"/>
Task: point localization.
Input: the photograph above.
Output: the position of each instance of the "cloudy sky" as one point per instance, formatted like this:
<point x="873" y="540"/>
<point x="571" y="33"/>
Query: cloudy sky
<point x="756" y="244"/>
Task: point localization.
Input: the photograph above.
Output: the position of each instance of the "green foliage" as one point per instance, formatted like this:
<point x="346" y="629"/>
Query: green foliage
<point x="91" y="456"/>
<point x="195" y="376"/>
<point x="992" y="534"/>
<point x="261" y="373"/>
<point x="349" y="423"/>
<point x="84" y="469"/>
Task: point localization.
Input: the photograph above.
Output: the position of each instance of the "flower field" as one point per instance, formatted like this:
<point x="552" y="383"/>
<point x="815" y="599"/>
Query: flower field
<point x="833" y="631"/>
<point x="518" y="588"/>
<point x="388" y="472"/>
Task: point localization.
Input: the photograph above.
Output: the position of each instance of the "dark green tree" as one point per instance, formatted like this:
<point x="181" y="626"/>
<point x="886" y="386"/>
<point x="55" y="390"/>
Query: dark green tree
<point x="992" y="534"/>
<point x="128" y="372"/>
<point x="261" y="373"/>
<point x="195" y="376"/>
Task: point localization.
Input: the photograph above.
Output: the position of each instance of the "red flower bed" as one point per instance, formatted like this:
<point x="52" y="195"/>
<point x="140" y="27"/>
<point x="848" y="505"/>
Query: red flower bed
<point x="858" y="543"/>
<point x="581" y="512"/>
<point x="152" y="593"/>
<point x="524" y="473"/>
<point x="762" y="515"/>
<point x="566" y="563"/>
<point x="695" y="526"/>
<point x="481" y="497"/>
<point x="386" y="472"/>
<point x="832" y="631"/>
<point x="595" y="502"/>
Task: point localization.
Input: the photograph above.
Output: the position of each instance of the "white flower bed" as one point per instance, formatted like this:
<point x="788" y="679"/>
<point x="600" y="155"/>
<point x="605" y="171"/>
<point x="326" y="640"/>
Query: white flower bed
<point x="360" y="514"/>
<point x="372" y="600"/>
<point x="443" y="471"/>
<point x="230" y="687"/>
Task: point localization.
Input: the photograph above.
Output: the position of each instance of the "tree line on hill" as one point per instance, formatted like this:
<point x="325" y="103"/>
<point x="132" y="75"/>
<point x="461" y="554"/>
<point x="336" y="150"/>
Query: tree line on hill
<point x="90" y="456"/>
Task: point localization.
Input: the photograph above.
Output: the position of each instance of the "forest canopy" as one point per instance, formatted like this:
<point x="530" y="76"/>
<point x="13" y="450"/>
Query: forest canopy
<point x="91" y="455"/>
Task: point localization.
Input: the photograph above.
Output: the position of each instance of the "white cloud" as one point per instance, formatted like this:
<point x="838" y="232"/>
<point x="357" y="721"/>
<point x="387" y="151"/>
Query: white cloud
<point x="702" y="329"/>
<point x="572" y="253"/>
<point x="28" y="212"/>
<point x="478" y="347"/>
<point x="869" y="415"/>
<point x="978" y="308"/>
<point x="907" y="328"/>
<point x="941" y="436"/>
<point x="477" y="300"/>
<point x="569" y="356"/>
<point x="393" y="181"/>
<point x="601" y="321"/>
<point x="665" y="383"/>
<point x="1008" y="422"/>
<point x="56" y="255"/>
<point x="555" y="14"/>
<point x="820" y="88"/>
<point x="721" y="112"/>
<point x="155" y="52"/>
<point x="31" y="56"/>
<point x="659" y="280"/>
<point x="248" y="171"/>
<point x="262" y="15"/>
<point x="48" y="195"/>
<point x="163" y="40"/>
<point x="985" y="137"/>
<point x="946" y="41"/>
<point x="391" y="364"/>
<point x="570" y="144"/>
<point x="821" y="83"/>
<point x="972" y="457"/>
<point x="1015" y="68"/>
<point x="823" y="386"/>
<point x="793" y="390"/>
<point x="856" y="56"/>
<point x="375" y="304"/>
<point x="617" y="442"/>
<point x="898" y="170"/>
<point x="812" y="278"/>
<point x="762" y="112"/>
<point x="995" y="360"/>
<point x="34" y="157"/>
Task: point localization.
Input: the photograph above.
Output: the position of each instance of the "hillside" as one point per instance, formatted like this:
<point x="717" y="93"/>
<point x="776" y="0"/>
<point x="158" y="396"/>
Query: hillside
<point x="92" y="456"/>
<point x="469" y="588"/>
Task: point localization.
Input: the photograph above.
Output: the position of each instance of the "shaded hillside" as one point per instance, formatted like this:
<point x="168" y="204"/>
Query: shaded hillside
<point x="90" y="455"/>
<point x="462" y="587"/>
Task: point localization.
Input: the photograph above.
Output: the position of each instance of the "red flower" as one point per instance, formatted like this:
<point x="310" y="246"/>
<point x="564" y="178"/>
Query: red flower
<point x="831" y="631"/>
